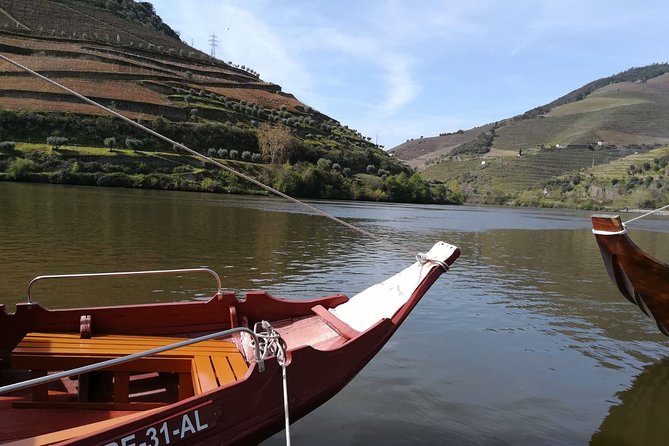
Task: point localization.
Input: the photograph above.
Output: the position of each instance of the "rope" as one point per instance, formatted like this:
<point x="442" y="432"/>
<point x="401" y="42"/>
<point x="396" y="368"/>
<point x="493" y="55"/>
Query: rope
<point x="210" y="160"/>
<point x="423" y="259"/>
<point x="271" y="343"/>
<point x="647" y="214"/>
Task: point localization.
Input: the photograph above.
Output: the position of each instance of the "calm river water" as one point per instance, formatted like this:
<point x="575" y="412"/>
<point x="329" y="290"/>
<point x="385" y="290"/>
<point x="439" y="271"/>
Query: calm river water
<point x="524" y="342"/>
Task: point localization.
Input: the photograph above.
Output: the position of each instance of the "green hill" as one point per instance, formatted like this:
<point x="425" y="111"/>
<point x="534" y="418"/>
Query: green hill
<point x="120" y="53"/>
<point x="604" y="121"/>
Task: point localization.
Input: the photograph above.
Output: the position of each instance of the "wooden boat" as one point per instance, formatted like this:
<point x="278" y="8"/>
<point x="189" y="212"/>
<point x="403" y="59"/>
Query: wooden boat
<point x="642" y="279"/>
<point x="211" y="389"/>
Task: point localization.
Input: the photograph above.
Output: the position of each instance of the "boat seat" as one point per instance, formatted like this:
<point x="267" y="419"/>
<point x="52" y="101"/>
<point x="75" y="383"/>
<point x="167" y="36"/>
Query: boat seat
<point x="335" y="323"/>
<point x="201" y="367"/>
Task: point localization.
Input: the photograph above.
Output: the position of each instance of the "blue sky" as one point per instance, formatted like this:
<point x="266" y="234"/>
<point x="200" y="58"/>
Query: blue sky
<point x="403" y="69"/>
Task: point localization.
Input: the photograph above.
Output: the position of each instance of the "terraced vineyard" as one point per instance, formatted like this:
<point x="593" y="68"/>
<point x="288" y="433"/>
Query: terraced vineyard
<point x="120" y="54"/>
<point x="517" y="174"/>
<point x="141" y="71"/>
<point x="619" y="169"/>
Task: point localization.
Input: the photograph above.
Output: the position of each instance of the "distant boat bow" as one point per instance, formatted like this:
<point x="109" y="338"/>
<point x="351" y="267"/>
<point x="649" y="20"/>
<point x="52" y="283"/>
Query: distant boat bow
<point x="642" y="279"/>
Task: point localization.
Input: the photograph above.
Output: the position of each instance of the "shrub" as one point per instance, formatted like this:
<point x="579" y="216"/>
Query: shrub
<point x="246" y="155"/>
<point x="222" y="153"/>
<point x="324" y="164"/>
<point x="346" y="171"/>
<point x="212" y="153"/>
<point x="19" y="168"/>
<point x="256" y="158"/>
<point x="234" y="154"/>
<point x="210" y="185"/>
<point x="116" y="179"/>
<point x="289" y="182"/>
<point x="133" y="144"/>
<point x="371" y="169"/>
<point x="7" y="145"/>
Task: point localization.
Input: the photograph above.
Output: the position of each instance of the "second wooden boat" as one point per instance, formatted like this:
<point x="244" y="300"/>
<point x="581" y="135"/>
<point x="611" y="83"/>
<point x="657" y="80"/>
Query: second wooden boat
<point x="642" y="279"/>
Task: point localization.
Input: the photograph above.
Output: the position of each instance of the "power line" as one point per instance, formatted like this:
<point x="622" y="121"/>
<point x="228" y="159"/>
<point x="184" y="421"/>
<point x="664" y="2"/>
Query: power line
<point x="213" y="42"/>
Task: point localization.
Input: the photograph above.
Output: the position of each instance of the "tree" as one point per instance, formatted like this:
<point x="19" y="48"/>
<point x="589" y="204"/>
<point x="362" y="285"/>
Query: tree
<point x="274" y="142"/>
<point x="133" y="144"/>
<point x="56" y="141"/>
<point x="110" y="143"/>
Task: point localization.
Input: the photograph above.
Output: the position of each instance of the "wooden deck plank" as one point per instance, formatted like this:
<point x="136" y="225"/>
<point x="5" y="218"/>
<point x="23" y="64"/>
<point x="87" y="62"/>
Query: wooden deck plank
<point x="129" y="339"/>
<point x="114" y="350"/>
<point x="223" y="371"/>
<point x="237" y="364"/>
<point x="200" y="368"/>
<point x="204" y="377"/>
<point x="28" y="344"/>
<point x="65" y="343"/>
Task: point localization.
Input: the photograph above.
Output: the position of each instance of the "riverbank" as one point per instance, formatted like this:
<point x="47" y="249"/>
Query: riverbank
<point x="95" y="166"/>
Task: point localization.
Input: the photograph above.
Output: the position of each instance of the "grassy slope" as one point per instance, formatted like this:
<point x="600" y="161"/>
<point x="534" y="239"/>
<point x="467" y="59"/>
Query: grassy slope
<point x="624" y="113"/>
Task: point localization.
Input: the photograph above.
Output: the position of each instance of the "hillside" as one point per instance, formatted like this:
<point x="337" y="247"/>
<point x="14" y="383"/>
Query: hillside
<point x="625" y="109"/>
<point x="604" y="122"/>
<point x="120" y="53"/>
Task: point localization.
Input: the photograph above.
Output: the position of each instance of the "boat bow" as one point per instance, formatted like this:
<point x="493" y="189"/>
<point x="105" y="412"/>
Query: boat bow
<point x="642" y="279"/>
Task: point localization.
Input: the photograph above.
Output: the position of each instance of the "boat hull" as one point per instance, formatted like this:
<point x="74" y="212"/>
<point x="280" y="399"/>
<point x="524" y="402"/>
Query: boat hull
<point x="242" y="412"/>
<point x="642" y="279"/>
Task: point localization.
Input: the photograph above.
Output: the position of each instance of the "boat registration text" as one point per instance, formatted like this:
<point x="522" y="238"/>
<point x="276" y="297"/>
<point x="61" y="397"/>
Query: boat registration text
<point x="171" y="431"/>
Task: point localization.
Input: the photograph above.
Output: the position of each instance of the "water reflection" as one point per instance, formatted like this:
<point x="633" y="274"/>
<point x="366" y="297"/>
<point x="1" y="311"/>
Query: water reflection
<point x="634" y="420"/>
<point x="524" y="341"/>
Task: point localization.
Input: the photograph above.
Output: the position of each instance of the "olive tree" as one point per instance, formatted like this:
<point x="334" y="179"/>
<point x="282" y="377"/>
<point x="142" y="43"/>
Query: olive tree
<point x="56" y="141"/>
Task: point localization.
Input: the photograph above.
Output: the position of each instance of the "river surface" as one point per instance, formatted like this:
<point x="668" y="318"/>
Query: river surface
<point x="524" y="342"/>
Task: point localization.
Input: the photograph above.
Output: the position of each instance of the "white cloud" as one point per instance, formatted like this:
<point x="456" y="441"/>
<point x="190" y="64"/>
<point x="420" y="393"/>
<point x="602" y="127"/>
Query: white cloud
<point x="401" y="86"/>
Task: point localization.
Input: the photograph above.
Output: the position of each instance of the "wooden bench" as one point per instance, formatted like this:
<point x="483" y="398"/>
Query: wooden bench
<point x="201" y="367"/>
<point x="335" y="323"/>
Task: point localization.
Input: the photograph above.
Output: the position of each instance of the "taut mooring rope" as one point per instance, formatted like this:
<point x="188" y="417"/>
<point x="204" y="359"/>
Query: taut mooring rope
<point x="646" y="214"/>
<point x="210" y="160"/>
